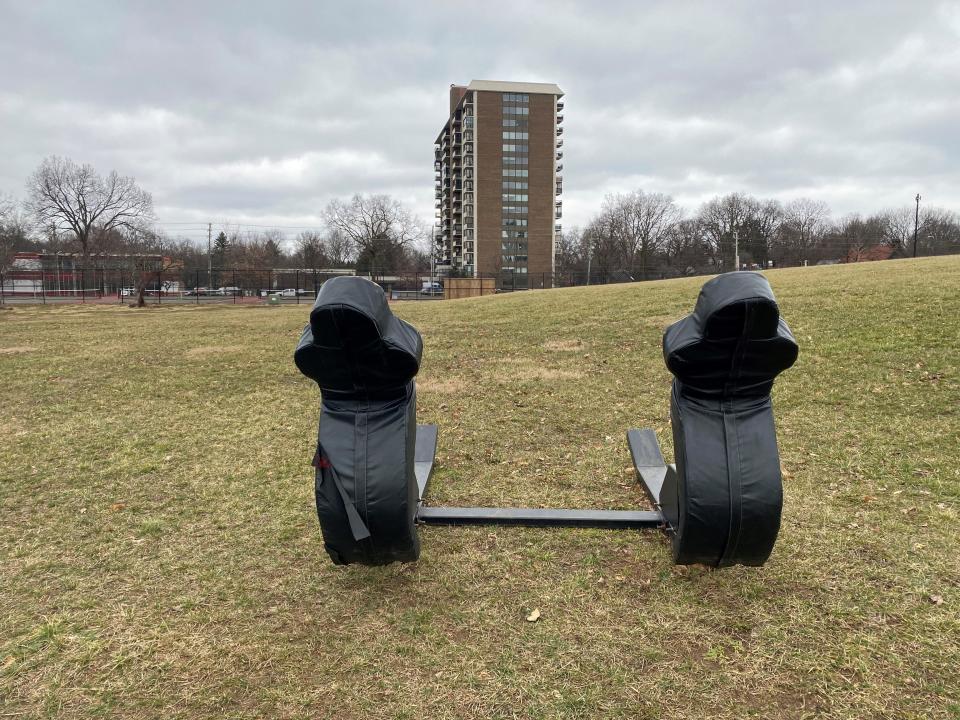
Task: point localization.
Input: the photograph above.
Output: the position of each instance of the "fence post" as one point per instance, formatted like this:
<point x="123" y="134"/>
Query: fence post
<point x="43" y="290"/>
<point x="296" y="285"/>
<point x="234" y="291"/>
<point x="196" y="287"/>
<point x="159" y="289"/>
<point x="83" y="288"/>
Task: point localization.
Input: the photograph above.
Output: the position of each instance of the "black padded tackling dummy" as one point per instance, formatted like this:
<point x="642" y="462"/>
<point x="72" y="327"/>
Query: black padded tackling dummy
<point x="364" y="359"/>
<point x="725" y="499"/>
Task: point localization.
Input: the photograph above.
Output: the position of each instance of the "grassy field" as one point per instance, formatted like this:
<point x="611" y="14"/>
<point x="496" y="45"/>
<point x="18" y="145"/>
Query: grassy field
<point x="160" y="555"/>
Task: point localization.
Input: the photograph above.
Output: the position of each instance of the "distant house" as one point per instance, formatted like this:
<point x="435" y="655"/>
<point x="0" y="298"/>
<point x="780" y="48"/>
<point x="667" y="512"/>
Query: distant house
<point x="874" y="252"/>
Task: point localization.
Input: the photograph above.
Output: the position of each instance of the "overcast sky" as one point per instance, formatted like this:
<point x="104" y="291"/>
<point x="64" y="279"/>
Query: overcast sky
<point x="262" y="112"/>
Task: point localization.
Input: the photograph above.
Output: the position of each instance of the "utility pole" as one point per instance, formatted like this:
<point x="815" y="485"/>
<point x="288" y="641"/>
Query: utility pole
<point x="736" y="248"/>
<point x="589" y="259"/>
<point x="916" y="225"/>
<point x="209" y="255"/>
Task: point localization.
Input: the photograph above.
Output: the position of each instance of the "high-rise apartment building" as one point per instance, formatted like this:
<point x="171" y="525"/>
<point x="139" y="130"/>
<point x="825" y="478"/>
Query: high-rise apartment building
<point x="498" y="178"/>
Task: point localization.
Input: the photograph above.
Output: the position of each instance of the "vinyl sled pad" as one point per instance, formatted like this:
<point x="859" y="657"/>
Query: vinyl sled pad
<point x="726" y="499"/>
<point x="364" y="359"/>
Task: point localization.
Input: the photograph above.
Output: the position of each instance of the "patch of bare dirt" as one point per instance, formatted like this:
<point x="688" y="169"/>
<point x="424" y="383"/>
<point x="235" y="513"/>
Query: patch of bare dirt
<point x="16" y="350"/>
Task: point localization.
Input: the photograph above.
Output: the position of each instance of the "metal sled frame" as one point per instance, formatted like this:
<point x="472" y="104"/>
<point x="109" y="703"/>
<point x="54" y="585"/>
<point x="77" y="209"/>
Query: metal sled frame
<point x="652" y="472"/>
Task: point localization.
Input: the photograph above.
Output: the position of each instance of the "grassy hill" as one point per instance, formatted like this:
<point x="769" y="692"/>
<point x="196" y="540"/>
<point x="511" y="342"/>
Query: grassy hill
<point x="160" y="554"/>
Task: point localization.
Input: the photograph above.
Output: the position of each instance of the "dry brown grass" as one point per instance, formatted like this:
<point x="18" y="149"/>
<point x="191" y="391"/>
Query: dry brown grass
<point x="160" y="556"/>
<point x="214" y="350"/>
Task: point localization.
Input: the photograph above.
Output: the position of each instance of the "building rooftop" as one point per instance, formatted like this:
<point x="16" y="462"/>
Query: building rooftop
<point x="520" y="87"/>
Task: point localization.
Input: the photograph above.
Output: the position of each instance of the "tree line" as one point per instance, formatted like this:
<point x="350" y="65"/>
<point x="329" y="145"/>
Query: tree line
<point x="647" y="235"/>
<point x="70" y="208"/>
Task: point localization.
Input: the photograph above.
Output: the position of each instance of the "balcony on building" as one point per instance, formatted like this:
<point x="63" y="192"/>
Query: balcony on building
<point x="558" y="228"/>
<point x="559" y="131"/>
<point x="559" y="119"/>
<point x="559" y="105"/>
<point x="560" y="143"/>
<point x="559" y="154"/>
<point x="558" y="208"/>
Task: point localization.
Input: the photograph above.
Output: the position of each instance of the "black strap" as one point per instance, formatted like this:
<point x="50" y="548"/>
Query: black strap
<point x="357" y="527"/>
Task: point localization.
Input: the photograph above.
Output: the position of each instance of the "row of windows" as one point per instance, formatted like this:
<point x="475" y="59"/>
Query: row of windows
<point x="513" y="185"/>
<point x="512" y="197"/>
<point x="513" y="233"/>
<point x="515" y="258"/>
<point x="516" y="222"/>
<point x="518" y="270"/>
<point x="515" y="110"/>
<point x="513" y="135"/>
<point x="513" y="172"/>
<point x="514" y="210"/>
<point x="514" y="122"/>
<point x="516" y="148"/>
<point x="516" y="160"/>
<point x="516" y="97"/>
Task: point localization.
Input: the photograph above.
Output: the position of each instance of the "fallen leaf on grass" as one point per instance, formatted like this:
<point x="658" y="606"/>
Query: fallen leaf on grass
<point x="534" y="616"/>
<point x="935" y="599"/>
<point x="117" y="507"/>
<point x="8" y="661"/>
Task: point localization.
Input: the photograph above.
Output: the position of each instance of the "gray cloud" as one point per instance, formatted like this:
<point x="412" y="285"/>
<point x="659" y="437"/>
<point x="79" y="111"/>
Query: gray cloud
<point x="261" y="113"/>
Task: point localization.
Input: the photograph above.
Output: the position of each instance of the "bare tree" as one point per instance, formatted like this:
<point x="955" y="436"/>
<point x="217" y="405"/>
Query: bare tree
<point x="310" y="251"/>
<point x="147" y="259"/>
<point x="570" y="255"/>
<point x="720" y="219"/>
<point x="898" y="227"/>
<point x="14" y="231"/>
<point x="602" y="242"/>
<point x="683" y="248"/>
<point x="804" y="222"/>
<point x="939" y="232"/>
<point x="338" y="248"/>
<point x="66" y="197"/>
<point x="642" y="221"/>
<point x="378" y="226"/>
<point x="760" y="229"/>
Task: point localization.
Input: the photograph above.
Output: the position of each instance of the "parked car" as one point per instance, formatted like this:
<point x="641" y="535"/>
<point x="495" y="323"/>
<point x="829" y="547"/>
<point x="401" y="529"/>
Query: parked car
<point x="231" y="290"/>
<point x="286" y="292"/>
<point x="431" y="288"/>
